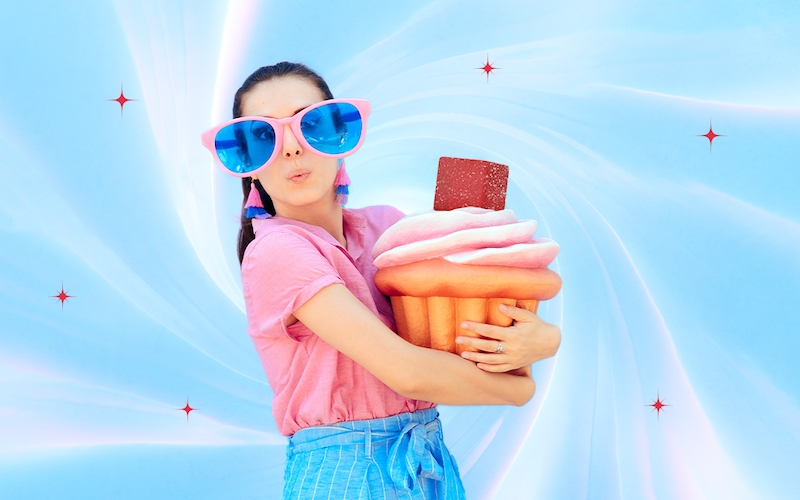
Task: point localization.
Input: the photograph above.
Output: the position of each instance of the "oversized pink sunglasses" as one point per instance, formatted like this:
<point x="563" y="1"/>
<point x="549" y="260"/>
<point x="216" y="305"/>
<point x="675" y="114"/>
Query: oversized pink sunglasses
<point x="334" y="128"/>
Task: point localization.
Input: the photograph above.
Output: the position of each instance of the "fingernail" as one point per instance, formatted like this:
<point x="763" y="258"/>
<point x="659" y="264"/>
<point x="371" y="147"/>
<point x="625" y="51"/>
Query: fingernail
<point x="503" y="307"/>
<point x="464" y="325"/>
<point x="459" y="340"/>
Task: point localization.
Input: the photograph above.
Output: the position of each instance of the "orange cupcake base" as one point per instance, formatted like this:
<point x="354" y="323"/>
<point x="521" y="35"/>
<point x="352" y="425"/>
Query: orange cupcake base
<point x="435" y="322"/>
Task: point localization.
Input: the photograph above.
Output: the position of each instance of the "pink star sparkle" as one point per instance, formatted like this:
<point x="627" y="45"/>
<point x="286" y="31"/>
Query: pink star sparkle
<point x="658" y="405"/>
<point x="487" y="68"/>
<point x="710" y="135"/>
<point x="62" y="296"/>
<point x="121" y="100"/>
<point x="187" y="409"/>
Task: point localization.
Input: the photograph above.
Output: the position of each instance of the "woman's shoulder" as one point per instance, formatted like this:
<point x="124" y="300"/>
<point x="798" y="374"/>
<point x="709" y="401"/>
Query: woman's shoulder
<point x="278" y="240"/>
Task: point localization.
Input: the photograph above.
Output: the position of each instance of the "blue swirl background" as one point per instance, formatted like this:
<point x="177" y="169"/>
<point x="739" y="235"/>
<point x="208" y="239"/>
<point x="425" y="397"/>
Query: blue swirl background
<point x="680" y="262"/>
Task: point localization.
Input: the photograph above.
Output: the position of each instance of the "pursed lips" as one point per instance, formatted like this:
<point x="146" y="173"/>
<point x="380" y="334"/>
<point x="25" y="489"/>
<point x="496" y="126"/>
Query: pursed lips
<point x="298" y="174"/>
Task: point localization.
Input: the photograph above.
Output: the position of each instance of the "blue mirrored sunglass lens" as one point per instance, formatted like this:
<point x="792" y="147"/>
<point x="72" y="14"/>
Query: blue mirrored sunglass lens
<point x="333" y="128"/>
<point x="245" y="146"/>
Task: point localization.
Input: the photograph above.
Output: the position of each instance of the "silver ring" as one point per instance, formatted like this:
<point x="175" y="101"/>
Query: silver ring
<point x="499" y="349"/>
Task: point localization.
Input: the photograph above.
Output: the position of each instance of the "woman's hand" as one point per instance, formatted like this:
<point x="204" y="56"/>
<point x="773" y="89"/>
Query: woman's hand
<point x="528" y="340"/>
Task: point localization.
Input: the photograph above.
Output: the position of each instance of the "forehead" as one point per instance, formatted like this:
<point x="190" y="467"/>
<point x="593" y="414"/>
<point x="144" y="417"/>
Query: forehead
<point x="280" y="97"/>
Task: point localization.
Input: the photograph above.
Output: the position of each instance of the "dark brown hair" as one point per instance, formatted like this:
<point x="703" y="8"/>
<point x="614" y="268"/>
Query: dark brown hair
<point x="265" y="74"/>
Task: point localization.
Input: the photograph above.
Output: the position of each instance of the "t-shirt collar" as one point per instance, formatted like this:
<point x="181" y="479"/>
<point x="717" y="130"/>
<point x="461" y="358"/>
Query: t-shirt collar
<point x="354" y="225"/>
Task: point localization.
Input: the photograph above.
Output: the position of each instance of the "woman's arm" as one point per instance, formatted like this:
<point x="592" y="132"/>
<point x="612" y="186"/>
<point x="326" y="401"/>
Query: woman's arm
<point x="414" y="372"/>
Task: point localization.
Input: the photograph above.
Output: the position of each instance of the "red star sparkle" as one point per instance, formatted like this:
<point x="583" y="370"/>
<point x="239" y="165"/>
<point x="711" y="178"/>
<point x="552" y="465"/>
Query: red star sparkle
<point x="121" y="100"/>
<point x="710" y="135"/>
<point x="487" y="68"/>
<point x="62" y="296"/>
<point x="657" y="405"/>
<point x="187" y="409"/>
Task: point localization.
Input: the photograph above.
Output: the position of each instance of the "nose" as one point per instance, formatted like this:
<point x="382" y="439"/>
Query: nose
<point x="291" y="146"/>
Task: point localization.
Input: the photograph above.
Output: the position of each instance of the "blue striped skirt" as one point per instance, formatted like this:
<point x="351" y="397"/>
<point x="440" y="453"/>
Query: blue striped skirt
<point x="399" y="457"/>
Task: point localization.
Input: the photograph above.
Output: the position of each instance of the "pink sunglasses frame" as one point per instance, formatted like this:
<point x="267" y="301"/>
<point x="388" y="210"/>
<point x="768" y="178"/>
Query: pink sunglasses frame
<point x="210" y="135"/>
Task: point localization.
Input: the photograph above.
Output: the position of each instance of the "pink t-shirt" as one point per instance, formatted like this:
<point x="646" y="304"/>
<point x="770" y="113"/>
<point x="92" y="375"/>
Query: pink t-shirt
<point x="287" y="264"/>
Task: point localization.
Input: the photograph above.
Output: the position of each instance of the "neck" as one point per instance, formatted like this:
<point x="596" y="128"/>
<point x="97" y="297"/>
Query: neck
<point x="326" y="215"/>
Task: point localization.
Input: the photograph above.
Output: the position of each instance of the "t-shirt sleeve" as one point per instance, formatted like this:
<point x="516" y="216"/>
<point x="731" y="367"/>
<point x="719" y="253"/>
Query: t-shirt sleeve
<point x="279" y="275"/>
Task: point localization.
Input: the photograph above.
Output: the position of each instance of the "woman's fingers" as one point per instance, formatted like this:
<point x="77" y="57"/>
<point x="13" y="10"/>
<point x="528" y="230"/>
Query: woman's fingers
<point x="501" y="368"/>
<point x="487" y="357"/>
<point x="487" y="345"/>
<point x="500" y="332"/>
<point x="483" y="329"/>
<point x="518" y="314"/>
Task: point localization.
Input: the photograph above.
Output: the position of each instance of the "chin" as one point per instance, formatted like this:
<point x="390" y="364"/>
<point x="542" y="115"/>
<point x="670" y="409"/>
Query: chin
<point x="307" y="199"/>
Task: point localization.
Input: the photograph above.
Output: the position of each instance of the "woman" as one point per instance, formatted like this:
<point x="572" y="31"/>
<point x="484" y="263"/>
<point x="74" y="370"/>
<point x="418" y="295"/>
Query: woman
<point x="357" y="400"/>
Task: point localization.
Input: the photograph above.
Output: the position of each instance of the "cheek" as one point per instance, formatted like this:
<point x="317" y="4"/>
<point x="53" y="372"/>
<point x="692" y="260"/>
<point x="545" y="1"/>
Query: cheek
<point x="329" y="170"/>
<point x="269" y="182"/>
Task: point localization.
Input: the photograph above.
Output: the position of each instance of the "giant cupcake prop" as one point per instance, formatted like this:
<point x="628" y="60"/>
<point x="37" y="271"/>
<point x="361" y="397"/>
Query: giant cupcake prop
<point x="458" y="262"/>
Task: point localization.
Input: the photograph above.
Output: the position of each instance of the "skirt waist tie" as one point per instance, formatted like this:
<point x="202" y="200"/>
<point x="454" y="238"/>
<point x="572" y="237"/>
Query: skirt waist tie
<point x="416" y="450"/>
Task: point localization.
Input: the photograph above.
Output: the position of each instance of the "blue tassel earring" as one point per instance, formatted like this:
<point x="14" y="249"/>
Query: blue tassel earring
<point x="342" y="183"/>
